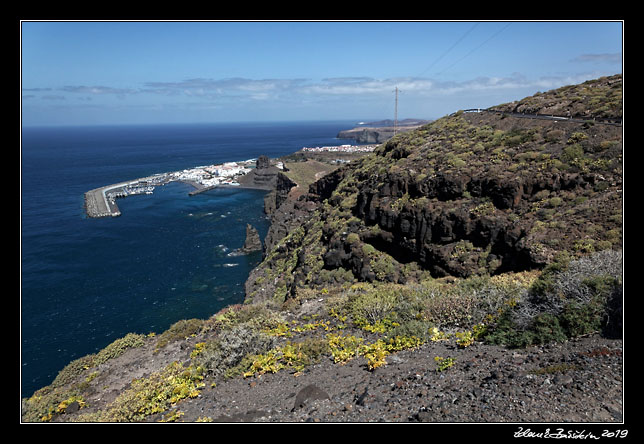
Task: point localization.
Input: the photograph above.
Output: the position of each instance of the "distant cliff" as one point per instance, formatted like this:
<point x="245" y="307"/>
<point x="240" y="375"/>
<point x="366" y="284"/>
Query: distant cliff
<point x="379" y="132"/>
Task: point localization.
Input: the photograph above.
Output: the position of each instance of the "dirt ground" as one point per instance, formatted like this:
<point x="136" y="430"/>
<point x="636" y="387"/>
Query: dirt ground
<point x="579" y="381"/>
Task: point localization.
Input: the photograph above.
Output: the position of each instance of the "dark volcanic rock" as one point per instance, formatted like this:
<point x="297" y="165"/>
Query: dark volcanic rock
<point x="278" y="194"/>
<point x="252" y="242"/>
<point x="263" y="162"/>
<point x="309" y="393"/>
<point x="469" y="194"/>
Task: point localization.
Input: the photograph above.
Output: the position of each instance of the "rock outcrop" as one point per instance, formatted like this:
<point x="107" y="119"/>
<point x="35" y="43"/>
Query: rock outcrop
<point x="251" y="244"/>
<point x="265" y="176"/>
<point x="278" y="193"/>
<point x="373" y="135"/>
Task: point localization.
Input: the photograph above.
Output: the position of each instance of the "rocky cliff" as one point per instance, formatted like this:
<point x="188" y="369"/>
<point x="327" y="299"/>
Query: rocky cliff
<point x="469" y="194"/>
<point x="265" y="176"/>
<point x="370" y="133"/>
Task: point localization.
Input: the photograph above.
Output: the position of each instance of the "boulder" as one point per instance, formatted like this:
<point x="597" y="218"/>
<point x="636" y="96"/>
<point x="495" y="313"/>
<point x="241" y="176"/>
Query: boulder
<point x="307" y="394"/>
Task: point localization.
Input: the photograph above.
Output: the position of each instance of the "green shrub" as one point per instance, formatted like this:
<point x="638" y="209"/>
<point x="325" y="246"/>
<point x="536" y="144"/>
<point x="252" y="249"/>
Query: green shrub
<point x="258" y="316"/>
<point x="43" y="404"/>
<point x="118" y="347"/>
<point x="443" y="364"/>
<point x="353" y="238"/>
<point x="449" y="307"/>
<point x="417" y="328"/>
<point x="50" y="400"/>
<point x="571" y="298"/>
<point x="178" y="331"/>
<point x="385" y="304"/>
<point x="344" y="348"/>
<point x="72" y="370"/>
<point x="577" y="137"/>
<point x="221" y="356"/>
<point x="373" y="306"/>
<point x="573" y="154"/>
<point x="295" y="355"/>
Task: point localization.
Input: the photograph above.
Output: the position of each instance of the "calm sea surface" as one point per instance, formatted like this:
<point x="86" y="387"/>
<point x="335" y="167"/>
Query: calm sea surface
<point x="87" y="282"/>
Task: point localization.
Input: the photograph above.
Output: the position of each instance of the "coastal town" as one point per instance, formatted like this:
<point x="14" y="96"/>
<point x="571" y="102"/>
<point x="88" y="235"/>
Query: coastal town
<point x="101" y="202"/>
<point x="341" y="149"/>
<point x="206" y="177"/>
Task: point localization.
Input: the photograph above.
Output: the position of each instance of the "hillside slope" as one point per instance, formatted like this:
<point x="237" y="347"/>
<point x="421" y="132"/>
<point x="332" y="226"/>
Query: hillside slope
<point x="469" y="194"/>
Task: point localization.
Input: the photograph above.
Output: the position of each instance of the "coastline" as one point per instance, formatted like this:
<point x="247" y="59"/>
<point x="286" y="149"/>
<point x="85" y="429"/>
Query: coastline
<point x="94" y="198"/>
<point x="253" y="174"/>
<point x="101" y="202"/>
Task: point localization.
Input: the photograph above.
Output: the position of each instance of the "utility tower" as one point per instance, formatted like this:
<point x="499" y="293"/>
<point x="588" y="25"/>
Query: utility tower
<point x="396" y="113"/>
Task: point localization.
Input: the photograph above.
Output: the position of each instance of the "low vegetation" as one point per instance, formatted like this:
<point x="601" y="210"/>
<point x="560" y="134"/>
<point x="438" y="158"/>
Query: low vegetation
<point x="369" y="322"/>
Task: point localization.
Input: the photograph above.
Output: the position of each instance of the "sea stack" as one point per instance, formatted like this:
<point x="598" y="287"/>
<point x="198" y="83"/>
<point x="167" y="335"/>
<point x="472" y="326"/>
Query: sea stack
<point x="253" y="242"/>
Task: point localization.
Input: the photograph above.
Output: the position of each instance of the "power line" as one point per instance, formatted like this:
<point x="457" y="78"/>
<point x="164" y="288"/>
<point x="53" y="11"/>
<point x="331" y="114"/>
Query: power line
<point x="449" y="49"/>
<point x="459" y="40"/>
<point x="475" y="49"/>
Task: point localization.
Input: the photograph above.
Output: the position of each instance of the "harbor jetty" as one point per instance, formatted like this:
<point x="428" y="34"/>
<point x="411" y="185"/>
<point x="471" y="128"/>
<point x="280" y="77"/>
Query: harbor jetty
<point x="101" y="202"/>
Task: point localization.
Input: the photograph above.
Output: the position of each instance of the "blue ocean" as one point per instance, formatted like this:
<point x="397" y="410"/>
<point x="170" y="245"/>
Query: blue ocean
<point x="86" y="282"/>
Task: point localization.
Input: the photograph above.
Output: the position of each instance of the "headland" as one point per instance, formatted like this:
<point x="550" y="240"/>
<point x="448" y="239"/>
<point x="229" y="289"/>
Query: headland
<point x="381" y="131"/>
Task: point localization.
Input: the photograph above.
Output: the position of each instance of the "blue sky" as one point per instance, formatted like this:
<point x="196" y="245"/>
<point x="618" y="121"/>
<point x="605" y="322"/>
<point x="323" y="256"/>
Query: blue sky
<point x="85" y="73"/>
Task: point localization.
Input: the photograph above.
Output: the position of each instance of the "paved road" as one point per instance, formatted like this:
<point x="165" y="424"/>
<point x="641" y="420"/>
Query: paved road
<point x="580" y="119"/>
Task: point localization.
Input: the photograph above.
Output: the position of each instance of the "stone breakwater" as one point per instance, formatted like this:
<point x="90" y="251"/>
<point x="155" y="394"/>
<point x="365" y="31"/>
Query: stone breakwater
<point x="98" y="205"/>
<point x="101" y="202"/>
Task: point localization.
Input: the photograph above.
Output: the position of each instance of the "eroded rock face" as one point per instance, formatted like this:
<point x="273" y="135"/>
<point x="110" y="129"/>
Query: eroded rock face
<point x="469" y="194"/>
<point x="460" y="216"/>
<point x="262" y="162"/>
<point x="278" y="194"/>
<point x="253" y="242"/>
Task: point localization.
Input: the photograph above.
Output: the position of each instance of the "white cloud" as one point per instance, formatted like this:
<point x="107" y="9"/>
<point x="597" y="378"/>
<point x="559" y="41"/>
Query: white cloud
<point x="349" y="96"/>
<point x="222" y="87"/>
<point x="97" y="90"/>
<point x="599" y="58"/>
<point x="265" y="89"/>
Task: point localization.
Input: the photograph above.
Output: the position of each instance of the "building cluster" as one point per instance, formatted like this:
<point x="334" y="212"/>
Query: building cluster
<point x="342" y="148"/>
<point x="212" y="175"/>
